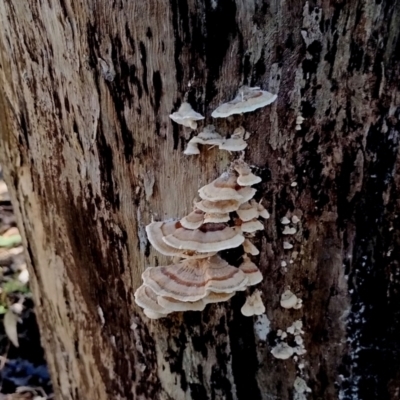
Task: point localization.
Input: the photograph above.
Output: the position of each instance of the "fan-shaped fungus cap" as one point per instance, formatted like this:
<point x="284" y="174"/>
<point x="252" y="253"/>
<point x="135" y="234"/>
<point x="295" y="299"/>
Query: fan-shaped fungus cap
<point x="193" y="220"/>
<point x="289" y="231"/>
<point x="208" y="136"/>
<point x="171" y="304"/>
<point x="217" y="297"/>
<point x="218" y="207"/>
<point x="216" y="217"/>
<point x="253" y="305"/>
<point x="247" y="212"/>
<point x="252" y="226"/>
<point x="288" y="299"/>
<point x="295" y="219"/>
<point x="186" y="116"/>
<point x="287" y="245"/>
<point x="156" y="231"/>
<point x="191" y="149"/>
<point x="247" y="193"/>
<point x="251" y="270"/>
<point x="285" y="221"/>
<point x="246" y="177"/>
<point x="146" y="298"/>
<point x="248" y="99"/>
<point x="192" y="280"/>
<point x="282" y="351"/>
<point x="262" y="212"/>
<point x="249" y="248"/>
<point x="223" y="188"/>
<point x="209" y="237"/>
<point x="233" y="144"/>
<point x="299" y="120"/>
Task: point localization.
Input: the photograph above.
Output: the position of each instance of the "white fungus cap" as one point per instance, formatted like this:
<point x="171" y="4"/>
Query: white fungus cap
<point x="285" y="221"/>
<point x="248" y="99"/>
<point x="282" y="351"/>
<point x="289" y="231"/>
<point x="208" y="136"/>
<point x="186" y="116"/>
<point x="288" y="299"/>
<point x="253" y="305"/>
<point x="295" y="219"/>
<point x="299" y="120"/>
<point x="191" y="149"/>
<point x="287" y="245"/>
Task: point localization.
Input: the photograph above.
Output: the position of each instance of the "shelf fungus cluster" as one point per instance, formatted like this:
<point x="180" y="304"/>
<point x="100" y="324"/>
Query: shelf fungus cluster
<point x="224" y="218"/>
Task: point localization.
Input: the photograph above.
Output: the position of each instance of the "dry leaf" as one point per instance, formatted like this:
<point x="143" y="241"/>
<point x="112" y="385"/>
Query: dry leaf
<point x="10" y="326"/>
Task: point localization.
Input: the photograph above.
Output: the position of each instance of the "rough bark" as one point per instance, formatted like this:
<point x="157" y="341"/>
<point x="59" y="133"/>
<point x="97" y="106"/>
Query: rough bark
<point x="91" y="156"/>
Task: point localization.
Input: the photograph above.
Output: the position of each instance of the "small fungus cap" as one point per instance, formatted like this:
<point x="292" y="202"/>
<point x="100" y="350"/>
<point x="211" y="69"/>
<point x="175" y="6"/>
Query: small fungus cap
<point x="233" y="144"/>
<point x="247" y="193"/>
<point x="289" y="231"/>
<point x="186" y="116"/>
<point x="191" y="149"/>
<point x="193" y="220"/>
<point x="224" y="187"/>
<point x="216" y="217"/>
<point x="288" y="299"/>
<point x="218" y="207"/>
<point x="146" y="298"/>
<point x="262" y="212"/>
<point x="249" y="248"/>
<point x="217" y="297"/>
<point x="208" y="238"/>
<point x="252" y="226"/>
<point x="208" y="136"/>
<point x="253" y="305"/>
<point x="282" y="351"/>
<point x="247" y="212"/>
<point x="251" y="270"/>
<point x="248" y="99"/>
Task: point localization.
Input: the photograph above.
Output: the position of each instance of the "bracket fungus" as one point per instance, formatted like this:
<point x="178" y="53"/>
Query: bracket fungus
<point x="199" y="276"/>
<point x="247" y="212"/>
<point x="194" y="220"/>
<point x="282" y="351"/>
<point x="246" y="177"/>
<point x="236" y="142"/>
<point x="248" y="99"/>
<point x="289" y="231"/>
<point x="253" y="305"/>
<point x="251" y="270"/>
<point x="252" y="226"/>
<point x="191" y="149"/>
<point x="290" y="300"/>
<point x="208" y="136"/>
<point x="186" y="116"/>
<point x="249" y="248"/>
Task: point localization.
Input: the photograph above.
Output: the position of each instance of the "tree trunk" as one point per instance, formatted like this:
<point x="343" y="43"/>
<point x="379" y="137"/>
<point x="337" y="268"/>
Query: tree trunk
<point x="91" y="157"/>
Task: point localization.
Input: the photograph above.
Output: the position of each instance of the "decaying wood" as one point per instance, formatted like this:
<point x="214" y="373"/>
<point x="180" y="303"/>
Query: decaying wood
<point x="91" y="156"/>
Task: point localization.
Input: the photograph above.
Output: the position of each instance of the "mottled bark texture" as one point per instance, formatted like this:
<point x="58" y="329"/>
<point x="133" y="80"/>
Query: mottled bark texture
<point x="91" y="156"/>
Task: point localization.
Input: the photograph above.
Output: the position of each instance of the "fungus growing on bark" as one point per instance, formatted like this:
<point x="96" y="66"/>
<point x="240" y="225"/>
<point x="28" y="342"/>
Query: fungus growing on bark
<point x="252" y="226"/>
<point x="262" y="212"/>
<point x="146" y="298"/>
<point x="289" y="231"/>
<point x="249" y="248"/>
<point x="224" y="187"/>
<point x="186" y="116"/>
<point x="209" y="237"/>
<point x="247" y="212"/>
<point x="217" y="297"/>
<point x="295" y="219"/>
<point x="285" y="221"/>
<point x="248" y="99"/>
<point x="246" y="177"/>
<point x="287" y="246"/>
<point x="288" y="299"/>
<point x="236" y="142"/>
<point x="282" y="351"/>
<point x="247" y="193"/>
<point x="156" y="231"/>
<point x="216" y="217"/>
<point x="191" y="149"/>
<point x="251" y="270"/>
<point x="193" y="220"/>
<point x="218" y="207"/>
<point x="253" y="305"/>
<point x="208" y="136"/>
